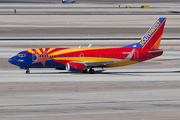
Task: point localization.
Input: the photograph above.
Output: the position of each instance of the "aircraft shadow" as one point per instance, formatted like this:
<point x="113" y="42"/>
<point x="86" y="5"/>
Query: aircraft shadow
<point x="102" y="72"/>
<point x="133" y="73"/>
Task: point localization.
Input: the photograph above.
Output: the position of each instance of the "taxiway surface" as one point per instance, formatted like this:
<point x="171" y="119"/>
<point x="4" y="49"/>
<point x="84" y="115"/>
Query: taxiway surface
<point x="138" y="92"/>
<point x="144" y="91"/>
<point x="115" y="93"/>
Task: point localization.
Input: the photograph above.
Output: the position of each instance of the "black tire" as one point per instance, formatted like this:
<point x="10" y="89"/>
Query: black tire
<point x="27" y="71"/>
<point x="91" y="71"/>
<point x="85" y="71"/>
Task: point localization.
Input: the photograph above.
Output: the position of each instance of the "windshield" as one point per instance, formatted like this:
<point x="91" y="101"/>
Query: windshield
<point x="21" y="55"/>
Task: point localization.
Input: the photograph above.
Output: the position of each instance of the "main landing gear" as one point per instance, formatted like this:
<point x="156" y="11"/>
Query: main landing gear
<point x="91" y="71"/>
<point x="85" y="71"/>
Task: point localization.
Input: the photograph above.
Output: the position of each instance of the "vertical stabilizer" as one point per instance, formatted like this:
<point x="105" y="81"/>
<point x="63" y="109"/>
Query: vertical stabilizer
<point x="152" y="38"/>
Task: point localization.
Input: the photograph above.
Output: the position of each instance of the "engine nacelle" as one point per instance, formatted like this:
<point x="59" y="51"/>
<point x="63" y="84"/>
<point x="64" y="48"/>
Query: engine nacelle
<point x="73" y="66"/>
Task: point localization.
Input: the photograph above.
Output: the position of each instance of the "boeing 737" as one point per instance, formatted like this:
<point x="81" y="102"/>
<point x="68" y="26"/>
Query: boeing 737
<point x="85" y="59"/>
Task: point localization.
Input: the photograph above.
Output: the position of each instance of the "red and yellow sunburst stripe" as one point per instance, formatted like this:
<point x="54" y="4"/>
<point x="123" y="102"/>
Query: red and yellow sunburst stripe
<point x="37" y="51"/>
<point x="62" y="51"/>
<point x="87" y="59"/>
<point x="72" y="50"/>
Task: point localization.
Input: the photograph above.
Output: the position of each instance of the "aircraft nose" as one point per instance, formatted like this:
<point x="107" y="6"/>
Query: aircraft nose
<point x="12" y="60"/>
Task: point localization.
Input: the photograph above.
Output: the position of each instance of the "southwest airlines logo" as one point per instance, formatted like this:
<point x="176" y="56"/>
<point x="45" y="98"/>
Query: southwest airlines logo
<point x="150" y="33"/>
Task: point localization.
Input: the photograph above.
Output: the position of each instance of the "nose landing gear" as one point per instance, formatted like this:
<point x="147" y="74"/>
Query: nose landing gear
<point x="27" y="71"/>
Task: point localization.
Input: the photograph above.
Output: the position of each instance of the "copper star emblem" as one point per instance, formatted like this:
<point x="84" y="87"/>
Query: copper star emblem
<point x="42" y="58"/>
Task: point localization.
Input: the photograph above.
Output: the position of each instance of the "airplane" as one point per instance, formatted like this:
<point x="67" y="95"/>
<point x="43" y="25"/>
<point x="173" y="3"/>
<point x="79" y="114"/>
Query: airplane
<point x="85" y="59"/>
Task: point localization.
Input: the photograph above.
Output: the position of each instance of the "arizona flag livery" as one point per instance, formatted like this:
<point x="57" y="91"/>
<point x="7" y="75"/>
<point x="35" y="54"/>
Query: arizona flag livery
<point x="85" y="59"/>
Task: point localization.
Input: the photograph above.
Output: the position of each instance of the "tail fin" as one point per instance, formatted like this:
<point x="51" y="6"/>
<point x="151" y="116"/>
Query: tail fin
<point x="152" y="38"/>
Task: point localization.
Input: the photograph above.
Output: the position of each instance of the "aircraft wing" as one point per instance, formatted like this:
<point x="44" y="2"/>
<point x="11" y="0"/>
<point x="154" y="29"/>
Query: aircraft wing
<point x="99" y="63"/>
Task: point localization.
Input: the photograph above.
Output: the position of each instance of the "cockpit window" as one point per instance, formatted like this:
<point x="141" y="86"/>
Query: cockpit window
<point x="21" y="55"/>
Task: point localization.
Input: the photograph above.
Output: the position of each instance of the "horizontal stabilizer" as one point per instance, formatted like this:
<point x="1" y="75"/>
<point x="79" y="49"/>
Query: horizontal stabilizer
<point x="157" y="51"/>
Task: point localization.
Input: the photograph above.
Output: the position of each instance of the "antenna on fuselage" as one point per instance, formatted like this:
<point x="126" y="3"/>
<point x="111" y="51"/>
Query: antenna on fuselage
<point x="89" y="45"/>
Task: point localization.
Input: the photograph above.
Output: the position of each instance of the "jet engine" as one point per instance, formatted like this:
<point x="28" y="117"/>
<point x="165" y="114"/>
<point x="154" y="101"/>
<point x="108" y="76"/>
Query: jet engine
<point x="73" y="66"/>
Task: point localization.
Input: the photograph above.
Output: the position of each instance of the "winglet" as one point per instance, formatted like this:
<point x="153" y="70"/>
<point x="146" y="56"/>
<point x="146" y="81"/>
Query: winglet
<point x="130" y="55"/>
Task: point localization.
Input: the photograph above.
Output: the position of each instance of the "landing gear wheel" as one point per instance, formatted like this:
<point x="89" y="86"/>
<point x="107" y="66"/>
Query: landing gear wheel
<point x="85" y="71"/>
<point x="91" y="71"/>
<point x="27" y="71"/>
